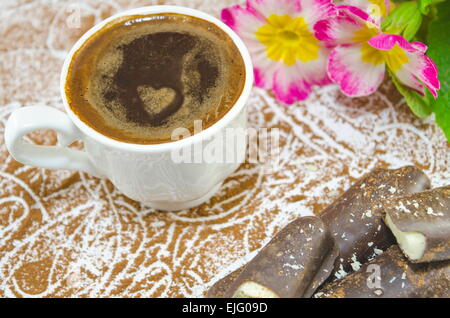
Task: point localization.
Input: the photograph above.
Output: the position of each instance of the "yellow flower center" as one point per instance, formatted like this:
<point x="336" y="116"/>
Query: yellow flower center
<point x="378" y="8"/>
<point x="394" y="58"/>
<point x="364" y="34"/>
<point x="288" y="39"/>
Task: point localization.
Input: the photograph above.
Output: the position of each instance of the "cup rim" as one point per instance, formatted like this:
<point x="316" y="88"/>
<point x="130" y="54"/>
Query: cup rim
<point x="205" y="134"/>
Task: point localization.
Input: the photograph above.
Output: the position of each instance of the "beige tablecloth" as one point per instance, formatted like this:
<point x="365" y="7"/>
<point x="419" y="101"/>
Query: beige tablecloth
<point x="69" y="234"/>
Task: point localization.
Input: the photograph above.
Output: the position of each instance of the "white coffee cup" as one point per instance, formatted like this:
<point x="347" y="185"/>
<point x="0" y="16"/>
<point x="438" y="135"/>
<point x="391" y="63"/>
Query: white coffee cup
<point x="145" y="173"/>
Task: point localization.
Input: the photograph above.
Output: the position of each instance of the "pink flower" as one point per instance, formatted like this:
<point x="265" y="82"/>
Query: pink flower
<point x="279" y="34"/>
<point x="363" y="52"/>
<point x="377" y="9"/>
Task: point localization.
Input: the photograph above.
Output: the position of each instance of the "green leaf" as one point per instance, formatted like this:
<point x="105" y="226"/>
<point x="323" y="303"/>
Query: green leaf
<point x="439" y="51"/>
<point x="412" y="27"/>
<point x="424" y="5"/>
<point x="442" y="111"/>
<point x="404" y="20"/>
<point x="418" y="104"/>
<point x="422" y="34"/>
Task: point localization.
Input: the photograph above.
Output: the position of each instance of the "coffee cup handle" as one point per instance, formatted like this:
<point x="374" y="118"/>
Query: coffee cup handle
<point x="27" y="119"/>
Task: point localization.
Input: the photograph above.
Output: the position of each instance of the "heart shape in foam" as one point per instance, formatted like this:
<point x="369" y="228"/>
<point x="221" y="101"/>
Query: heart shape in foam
<point x="156" y="101"/>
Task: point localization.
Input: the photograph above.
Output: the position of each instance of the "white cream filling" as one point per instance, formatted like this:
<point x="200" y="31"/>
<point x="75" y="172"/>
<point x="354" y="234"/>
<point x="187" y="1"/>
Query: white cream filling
<point x="412" y="243"/>
<point x="254" y="290"/>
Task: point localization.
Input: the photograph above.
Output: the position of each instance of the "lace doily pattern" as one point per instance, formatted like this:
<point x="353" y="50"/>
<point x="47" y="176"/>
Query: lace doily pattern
<point x="69" y="234"/>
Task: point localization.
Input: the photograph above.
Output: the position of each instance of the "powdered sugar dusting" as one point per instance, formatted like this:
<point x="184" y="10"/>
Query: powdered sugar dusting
<point x="84" y="238"/>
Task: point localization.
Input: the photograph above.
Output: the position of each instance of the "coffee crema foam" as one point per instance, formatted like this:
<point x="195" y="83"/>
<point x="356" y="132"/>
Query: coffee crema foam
<point x="141" y="77"/>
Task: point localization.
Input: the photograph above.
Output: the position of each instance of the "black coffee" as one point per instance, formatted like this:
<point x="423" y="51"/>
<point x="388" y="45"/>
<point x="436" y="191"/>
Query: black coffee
<point x="141" y="77"/>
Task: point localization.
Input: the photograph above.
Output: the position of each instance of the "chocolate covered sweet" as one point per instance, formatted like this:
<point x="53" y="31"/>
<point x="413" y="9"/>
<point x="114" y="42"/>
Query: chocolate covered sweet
<point x="293" y="264"/>
<point x="390" y="275"/>
<point x="355" y="219"/>
<point x="220" y="287"/>
<point x="421" y="224"/>
<point x="355" y="222"/>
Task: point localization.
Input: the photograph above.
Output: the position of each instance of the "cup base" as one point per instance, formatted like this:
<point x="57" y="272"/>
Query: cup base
<point x="170" y="206"/>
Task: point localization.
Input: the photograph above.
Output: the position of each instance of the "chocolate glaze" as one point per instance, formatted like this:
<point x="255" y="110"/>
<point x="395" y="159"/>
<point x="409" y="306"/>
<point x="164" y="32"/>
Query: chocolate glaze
<point x="427" y="213"/>
<point x="294" y="263"/>
<point x="221" y="286"/>
<point x="156" y="60"/>
<point x="397" y="278"/>
<point x="354" y="219"/>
